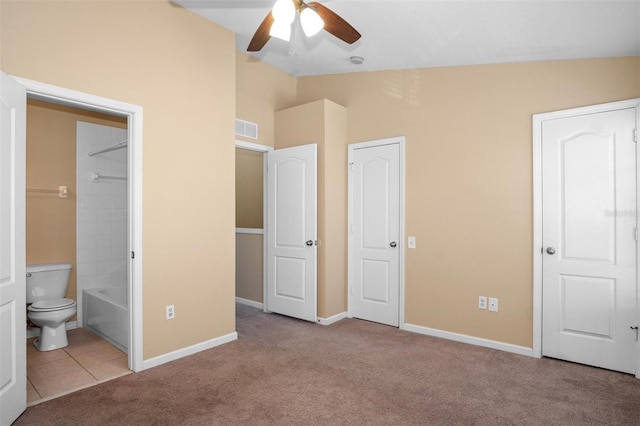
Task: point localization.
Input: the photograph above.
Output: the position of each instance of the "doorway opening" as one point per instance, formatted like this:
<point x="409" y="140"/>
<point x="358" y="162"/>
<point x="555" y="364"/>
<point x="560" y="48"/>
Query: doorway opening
<point x="95" y="118"/>
<point x="251" y="223"/>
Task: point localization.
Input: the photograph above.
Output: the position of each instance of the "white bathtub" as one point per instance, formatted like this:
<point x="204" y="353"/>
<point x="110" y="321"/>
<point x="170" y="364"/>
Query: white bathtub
<point x="106" y="314"/>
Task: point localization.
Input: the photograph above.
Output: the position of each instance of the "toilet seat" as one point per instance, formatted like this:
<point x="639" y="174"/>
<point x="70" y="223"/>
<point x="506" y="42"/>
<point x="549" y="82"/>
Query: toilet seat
<point x="52" y="305"/>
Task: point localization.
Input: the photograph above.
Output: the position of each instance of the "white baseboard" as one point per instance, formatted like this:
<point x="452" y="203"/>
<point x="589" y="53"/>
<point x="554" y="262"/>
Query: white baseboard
<point x="463" y="338"/>
<point x="189" y="350"/>
<point x="248" y="302"/>
<point x="332" y="319"/>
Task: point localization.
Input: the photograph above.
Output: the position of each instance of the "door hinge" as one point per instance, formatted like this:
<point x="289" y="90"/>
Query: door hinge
<point x="635" y="328"/>
<point x="635" y="233"/>
<point x="351" y="167"/>
<point x="352" y="228"/>
<point x="133" y="254"/>
<point x="635" y="135"/>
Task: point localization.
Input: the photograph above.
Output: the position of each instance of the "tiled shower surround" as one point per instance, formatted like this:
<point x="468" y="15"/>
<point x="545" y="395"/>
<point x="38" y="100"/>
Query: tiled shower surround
<point x="101" y="210"/>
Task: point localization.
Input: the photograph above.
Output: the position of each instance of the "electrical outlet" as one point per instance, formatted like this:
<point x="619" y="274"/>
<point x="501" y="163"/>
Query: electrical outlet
<point x="171" y="312"/>
<point x="493" y="304"/>
<point x="482" y="302"/>
<point x="411" y="242"/>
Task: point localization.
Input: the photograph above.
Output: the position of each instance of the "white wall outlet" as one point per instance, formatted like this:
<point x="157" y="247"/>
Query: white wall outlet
<point x="411" y="242"/>
<point x="171" y="312"/>
<point x="493" y="304"/>
<point x="482" y="302"/>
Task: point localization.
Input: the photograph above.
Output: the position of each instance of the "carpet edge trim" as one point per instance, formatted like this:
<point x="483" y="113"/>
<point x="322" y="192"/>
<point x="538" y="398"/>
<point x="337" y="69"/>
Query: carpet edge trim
<point x="189" y="350"/>
<point x="464" y="338"/>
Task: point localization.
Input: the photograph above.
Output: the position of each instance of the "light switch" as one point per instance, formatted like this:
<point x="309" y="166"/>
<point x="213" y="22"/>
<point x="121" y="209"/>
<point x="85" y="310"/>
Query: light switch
<point x="493" y="304"/>
<point x="411" y="242"/>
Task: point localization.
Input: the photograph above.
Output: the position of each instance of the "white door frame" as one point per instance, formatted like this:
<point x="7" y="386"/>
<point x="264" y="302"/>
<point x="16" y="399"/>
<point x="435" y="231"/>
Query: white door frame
<point x="133" y="113"/>
<point x="400" y="141"/>
<point x="538" y="120"/>
<point x="265" y="229"/>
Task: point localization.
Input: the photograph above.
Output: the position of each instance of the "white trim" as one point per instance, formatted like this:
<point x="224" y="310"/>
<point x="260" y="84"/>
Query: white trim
<point x="471" y="340"/>
<point x="253" y="146"/>
<point x="400" y="140"/>
<point x="538" y="120"/>
<point x="332" y="319"/>
<point x="189" y="350"/>
<point x="134" y="117"/>
<point x="255" y="231"/>
<point x="247" y="302"/>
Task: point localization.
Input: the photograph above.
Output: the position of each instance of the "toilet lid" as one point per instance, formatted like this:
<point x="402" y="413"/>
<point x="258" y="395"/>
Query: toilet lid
<point x="52" y="305"/>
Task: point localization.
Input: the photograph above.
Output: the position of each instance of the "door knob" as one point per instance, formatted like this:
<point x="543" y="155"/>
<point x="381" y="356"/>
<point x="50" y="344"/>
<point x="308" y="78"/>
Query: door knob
<point x="309" y="243"/>
<point x="393" y="244"/>
<point x="551" y="251"/>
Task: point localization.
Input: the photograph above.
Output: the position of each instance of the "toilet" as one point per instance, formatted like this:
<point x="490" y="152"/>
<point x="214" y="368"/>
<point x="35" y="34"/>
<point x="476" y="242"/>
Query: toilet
<point x="49" y="309"/>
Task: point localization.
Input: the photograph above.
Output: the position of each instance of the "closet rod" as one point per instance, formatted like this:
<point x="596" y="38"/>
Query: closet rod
<point x="95" y="177"/>
<point x="121" y="144"/>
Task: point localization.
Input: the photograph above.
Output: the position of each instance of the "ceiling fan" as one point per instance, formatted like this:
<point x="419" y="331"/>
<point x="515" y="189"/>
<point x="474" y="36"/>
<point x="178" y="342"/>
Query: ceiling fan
<point x="313" y="18"/>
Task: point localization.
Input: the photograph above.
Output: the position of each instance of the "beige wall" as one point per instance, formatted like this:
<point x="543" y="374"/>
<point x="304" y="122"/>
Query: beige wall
<point x="469" y="174"/>
<point x="249" y="270"/>
<point x="261" y="90"/>
<point x="249" y="188"/>
<point x="335" y="209"/>
<point x="51" y="162"/>
<point x="181" y="69"/>
<point x="468" y="133"/>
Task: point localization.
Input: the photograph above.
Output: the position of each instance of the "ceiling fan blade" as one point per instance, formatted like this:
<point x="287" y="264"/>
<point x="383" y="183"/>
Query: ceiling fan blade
<point x="261" y="37"/>
<point x="335" y="25"/>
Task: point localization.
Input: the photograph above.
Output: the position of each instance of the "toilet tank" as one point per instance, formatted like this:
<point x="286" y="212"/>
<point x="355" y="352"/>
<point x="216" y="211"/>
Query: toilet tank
<point x="47" y="281"/>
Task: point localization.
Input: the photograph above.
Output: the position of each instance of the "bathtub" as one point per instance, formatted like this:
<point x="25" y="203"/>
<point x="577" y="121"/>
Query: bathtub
<point x="106" y="314"/>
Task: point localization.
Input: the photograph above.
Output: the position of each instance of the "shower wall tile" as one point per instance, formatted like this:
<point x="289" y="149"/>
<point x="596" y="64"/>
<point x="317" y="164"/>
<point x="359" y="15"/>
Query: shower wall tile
<point x="101" y="210"/>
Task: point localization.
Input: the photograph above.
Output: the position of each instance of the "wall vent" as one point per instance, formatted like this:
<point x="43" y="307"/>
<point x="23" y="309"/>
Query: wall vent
<point x="246" y="129"/>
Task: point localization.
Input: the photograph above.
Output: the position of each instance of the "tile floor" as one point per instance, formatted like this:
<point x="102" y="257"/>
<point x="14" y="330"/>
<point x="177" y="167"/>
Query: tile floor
<point x="87" y="360"/>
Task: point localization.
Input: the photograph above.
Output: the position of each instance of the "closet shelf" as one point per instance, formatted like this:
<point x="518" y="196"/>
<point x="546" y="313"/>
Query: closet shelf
<point x="62" y="191"/>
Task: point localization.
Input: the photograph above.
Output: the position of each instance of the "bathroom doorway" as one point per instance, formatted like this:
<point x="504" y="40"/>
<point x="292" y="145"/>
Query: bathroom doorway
<point x="130" y="118"/>
<point x="77" y="211"/>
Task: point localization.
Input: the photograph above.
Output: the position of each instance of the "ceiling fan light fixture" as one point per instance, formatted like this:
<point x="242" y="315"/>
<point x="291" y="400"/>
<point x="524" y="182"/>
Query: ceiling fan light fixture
<point x="311" y="22"/>
<point x="284" y="11"/>
<point x="281" y="30"/>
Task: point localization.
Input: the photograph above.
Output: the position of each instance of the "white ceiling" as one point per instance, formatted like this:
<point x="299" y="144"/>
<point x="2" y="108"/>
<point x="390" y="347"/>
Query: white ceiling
<point x="404" y="34"/>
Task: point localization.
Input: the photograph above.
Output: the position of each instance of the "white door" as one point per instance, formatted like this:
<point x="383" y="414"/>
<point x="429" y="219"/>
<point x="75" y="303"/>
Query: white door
<point x="589" y="253"/>
<point x="292" y="231"/>
<point x="375" y="232"/>
<point x="13" y="358"/>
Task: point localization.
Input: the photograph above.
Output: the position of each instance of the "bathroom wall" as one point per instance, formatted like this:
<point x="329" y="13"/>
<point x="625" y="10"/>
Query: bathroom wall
<point x="51" y="161"/>
<point x="101" y="209"/>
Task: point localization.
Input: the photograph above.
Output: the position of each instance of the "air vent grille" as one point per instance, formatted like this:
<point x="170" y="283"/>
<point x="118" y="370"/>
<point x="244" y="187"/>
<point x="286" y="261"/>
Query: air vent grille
<point x="246" y="129"/>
